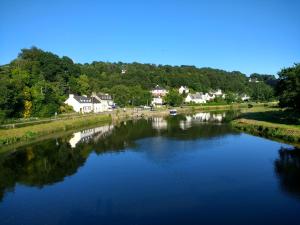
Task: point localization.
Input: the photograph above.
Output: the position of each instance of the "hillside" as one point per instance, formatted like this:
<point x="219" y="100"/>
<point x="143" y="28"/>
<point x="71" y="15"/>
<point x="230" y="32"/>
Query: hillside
<point x="36" y="83"/>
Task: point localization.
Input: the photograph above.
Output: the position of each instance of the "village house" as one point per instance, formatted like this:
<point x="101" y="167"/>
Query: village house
<point x="197" y="98"/>
<point x="216" y="93"/>
<point x="183" y="90"/>
<point x="82" y="104"/>
<point x="159" y="91"/>
<point x="96" y="103"/>
<point x="106" y="101"/>
<point x="157" y="95"/>
<point x="157" y="101"/>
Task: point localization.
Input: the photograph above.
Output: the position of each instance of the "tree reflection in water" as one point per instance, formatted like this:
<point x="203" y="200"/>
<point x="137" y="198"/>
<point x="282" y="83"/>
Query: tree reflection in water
<point x="287" y="168"/>
<point x="50" y="161"/>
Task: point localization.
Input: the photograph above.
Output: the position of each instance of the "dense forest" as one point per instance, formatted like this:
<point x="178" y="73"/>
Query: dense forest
<point x="37" y="82"/>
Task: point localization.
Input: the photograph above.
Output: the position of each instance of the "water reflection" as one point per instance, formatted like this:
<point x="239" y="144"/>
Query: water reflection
<point x="209" y="117"/>
<point x="172" y="170"/>
<point x="287" y="167"/>
<point x="159" y="123"/>
<point x="93" y="133"/>
<point x="51" y="161"/>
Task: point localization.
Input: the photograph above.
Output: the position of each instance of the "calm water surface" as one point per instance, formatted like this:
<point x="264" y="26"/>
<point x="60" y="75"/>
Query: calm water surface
<point x="176" y="170"/>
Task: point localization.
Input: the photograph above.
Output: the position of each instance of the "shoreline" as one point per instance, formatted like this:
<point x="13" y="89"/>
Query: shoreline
<point x="278" y="132"/>
<point x="273" y="123"/>
<point x="17" y="137"/>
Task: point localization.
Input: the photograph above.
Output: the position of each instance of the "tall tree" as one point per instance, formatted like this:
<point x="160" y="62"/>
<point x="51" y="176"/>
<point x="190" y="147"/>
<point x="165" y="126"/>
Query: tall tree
<point x="173" y="98"/>
<point x="288" y="87"/>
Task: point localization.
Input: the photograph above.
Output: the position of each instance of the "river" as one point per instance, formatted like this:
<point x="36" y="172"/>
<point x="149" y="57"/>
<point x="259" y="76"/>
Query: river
<point x="185" y="169"/>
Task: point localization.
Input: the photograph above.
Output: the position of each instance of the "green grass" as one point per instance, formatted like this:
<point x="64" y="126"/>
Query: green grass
<point x="10" y="136"/>
<point x="270" y="122"/>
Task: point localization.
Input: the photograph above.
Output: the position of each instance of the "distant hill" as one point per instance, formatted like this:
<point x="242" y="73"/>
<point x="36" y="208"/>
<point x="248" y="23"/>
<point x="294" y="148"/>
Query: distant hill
<point x="37" y="82"/>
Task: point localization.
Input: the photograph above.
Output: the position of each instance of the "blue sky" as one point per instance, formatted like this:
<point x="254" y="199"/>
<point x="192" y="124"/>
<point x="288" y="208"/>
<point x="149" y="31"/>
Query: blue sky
<point x="250" y="36"/>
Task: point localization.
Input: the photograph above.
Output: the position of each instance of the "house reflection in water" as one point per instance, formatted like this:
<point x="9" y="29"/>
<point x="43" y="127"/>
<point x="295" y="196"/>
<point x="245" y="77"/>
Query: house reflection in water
<point x="159" y="123"/>
<point x="187" y="123"/>
<point x="211" y="117"/>
<point x="200" y="117"/>
<point x="90" y="134"/>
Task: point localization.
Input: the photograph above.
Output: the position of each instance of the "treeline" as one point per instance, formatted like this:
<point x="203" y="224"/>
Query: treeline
<point x="288" y="87"/>
<point x="36" y="83"/>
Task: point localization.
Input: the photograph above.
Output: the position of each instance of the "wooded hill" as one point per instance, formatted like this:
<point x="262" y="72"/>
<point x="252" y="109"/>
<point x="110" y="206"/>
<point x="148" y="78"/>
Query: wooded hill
<point x="36" y="83"/>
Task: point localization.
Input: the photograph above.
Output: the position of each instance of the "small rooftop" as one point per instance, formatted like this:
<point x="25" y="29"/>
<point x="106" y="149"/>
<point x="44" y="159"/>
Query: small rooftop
<point x="104" y="96"/>
<point x="85" y="99"/>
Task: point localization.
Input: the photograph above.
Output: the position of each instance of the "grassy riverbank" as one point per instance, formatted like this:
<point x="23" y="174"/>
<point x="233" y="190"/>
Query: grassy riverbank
<point x="269" y="122"/>
<point x="33" y="132"/>
<point x="10" y="136"/>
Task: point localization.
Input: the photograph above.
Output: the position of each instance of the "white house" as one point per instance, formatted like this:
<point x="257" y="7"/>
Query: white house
<point x="83" y="104"/>
<point x="183" y="89"/>
<point x="245" y="97"/>
<point x="158" y="91"/>
<point x="157" y="101"/>
<point x="216" y="93"/>
<point x="197" y="98"/>
<point x="96" y="103"/>
<point x="106" y="101"/>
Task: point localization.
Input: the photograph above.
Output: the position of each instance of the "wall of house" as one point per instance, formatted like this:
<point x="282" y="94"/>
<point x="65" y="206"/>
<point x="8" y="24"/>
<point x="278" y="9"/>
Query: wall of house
<point x="79" y="107"/>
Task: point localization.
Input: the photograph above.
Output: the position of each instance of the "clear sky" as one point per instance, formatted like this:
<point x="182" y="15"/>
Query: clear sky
<point x="250" y="36"/>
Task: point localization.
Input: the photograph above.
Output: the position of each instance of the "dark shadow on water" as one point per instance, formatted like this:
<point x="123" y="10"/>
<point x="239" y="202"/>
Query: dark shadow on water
<point x="287" y="168"/>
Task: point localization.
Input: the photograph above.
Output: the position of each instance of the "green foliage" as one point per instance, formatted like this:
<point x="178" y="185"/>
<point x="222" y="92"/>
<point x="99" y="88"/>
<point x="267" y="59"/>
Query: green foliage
<point x="37" y="82"/>
<point x="261" y="92"/>
<point x="265" y="78"/>
<point x="121" y="95"/>
<point x="133" y="95"/>
<point x="173" y="98"/>
<point x="230" y="97"/>
<point x="288" y="88"/>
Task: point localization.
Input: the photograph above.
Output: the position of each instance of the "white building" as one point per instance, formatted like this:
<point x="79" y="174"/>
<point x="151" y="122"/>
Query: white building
<point x="183" y="89"/>
<point x="245" y="97"/>
<point x="197" y="98"/>
<point x="158" y="91"/>
<point x="84" y="104"/>
<point x="216" y="93"/>
<point x="157" y="95"/>
<point x="106" y="101"/>
<point x="157" y="101"/>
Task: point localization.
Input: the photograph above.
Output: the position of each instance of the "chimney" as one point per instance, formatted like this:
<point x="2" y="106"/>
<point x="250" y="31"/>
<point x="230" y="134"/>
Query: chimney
<point x="71" y="95"/>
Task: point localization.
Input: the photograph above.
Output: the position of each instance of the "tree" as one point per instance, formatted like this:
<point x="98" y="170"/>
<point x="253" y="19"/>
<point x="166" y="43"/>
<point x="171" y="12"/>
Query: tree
<point x="261" y="92"/>
<point x="173" y="98"/>
<point x="230" y="97"/>
<point x="139" y="96"/>
<point x="121" y="95"/>
<point x="83" y="87"/>
<point x="288" y="87"/>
